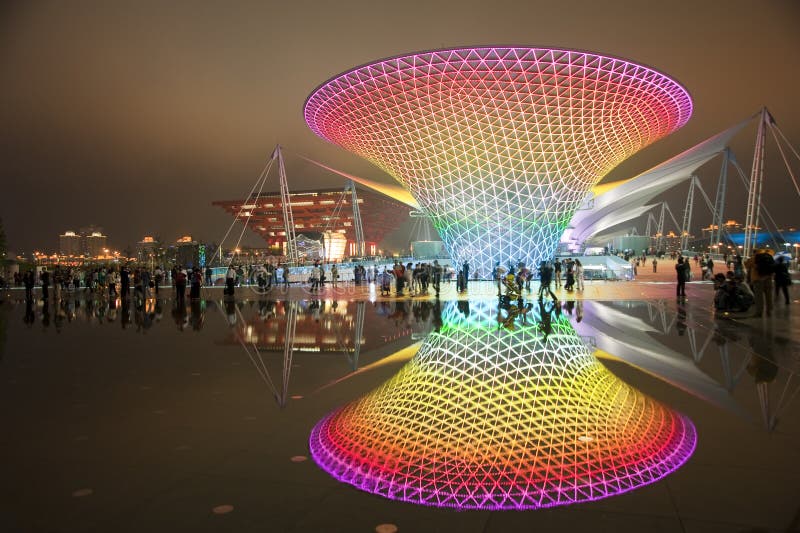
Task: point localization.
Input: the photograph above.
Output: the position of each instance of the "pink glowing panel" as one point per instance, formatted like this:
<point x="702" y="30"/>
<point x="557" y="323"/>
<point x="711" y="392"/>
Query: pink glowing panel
<point x="498" y="145"/>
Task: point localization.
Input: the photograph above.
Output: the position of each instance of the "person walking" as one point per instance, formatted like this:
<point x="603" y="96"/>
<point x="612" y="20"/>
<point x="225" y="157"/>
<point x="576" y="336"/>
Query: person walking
<point x="545" y="279"/>
<point x="681" y="271"/>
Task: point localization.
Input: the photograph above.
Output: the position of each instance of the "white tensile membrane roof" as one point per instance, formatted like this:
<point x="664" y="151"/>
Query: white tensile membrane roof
<point x="623" y="200"/>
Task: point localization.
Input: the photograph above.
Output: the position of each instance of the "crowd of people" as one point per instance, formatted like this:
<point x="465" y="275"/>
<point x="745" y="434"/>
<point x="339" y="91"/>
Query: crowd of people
<point x="515" y="279"/>
<point x="748" y="288"/>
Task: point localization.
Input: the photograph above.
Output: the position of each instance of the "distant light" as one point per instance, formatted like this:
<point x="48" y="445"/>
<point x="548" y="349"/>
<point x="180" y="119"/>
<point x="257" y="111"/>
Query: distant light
<point x="585" y="438"/>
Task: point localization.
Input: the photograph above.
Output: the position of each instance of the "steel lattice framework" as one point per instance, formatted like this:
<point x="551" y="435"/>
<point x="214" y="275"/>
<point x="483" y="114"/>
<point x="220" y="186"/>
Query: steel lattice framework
<point x="498" y="145"/>
<point x="487" y="418"/>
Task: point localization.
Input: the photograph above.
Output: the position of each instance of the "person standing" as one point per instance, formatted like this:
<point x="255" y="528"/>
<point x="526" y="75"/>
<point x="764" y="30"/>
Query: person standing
<point x="209" y="273"/>
<point x="112" y="284"/>
<point x="655" y="264"/>
<point x="760" y="268"/>
<point x="125" y="281"/>
<point x="316" y="274"/>
<point x="44" y="277"/>
<point x="269" y="272"/>
<point x="782" y="278"/>
<point x="261" y="278"/>
<point x="465" y="270"/>
<point x="334" y="274"/>
<point x="159" y="277"/>
<point x="196" y="282"/>
<point x="146" y="283"/>
<point x="557" y="272"/>
<point x="58" y="280"/>
<point x="681" y="271"/>
<point x="230" y="280"/>
<point x="436" y="275"/>
<point x="498" y="273"/>
<point x="399" y="278"/>
<point x="29" y="280"/>
<point x="579" y="274"/>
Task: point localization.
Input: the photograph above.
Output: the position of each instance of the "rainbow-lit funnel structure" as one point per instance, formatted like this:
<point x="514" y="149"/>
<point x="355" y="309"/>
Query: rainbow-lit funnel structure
<point x="492" y="413"/>
<point x="498" y="145"/>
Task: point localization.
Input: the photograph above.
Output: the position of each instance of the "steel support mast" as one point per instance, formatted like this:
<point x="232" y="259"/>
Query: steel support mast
<point x="687" y="214"/>
<point x="717" y="217"/>
<point x="288" y="218"/>
<point x="754" y="189"/>
<point x="359" y="228"/>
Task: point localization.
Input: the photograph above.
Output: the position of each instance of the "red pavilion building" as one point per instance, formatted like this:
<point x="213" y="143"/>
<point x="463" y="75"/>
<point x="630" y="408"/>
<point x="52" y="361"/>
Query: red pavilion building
<point x="321" y="210"/>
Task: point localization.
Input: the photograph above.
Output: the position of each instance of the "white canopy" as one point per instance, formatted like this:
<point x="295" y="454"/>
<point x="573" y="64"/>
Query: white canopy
<point x="616" y="202"/>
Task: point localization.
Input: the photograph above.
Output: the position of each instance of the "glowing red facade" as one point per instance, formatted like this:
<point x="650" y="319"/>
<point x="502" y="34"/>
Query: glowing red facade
<point x="315" y="212"/>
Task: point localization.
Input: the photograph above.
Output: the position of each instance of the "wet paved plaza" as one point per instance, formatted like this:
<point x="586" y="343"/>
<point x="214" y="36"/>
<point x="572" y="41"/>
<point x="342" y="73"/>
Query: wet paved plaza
<point x="131" y="416"/>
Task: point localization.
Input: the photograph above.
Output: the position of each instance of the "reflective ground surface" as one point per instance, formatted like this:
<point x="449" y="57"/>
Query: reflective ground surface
<point x="156" y="416"/>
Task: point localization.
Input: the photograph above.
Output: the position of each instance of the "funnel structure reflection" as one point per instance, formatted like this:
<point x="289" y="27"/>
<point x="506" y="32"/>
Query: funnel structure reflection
<point x="495" y="413"/>
<point x="498" y="145"/>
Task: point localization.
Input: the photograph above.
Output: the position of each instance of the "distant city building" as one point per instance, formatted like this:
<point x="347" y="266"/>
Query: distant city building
<point x="730" y="227"/>
<point x="70" y="244"/>
<point x="189" y="252"/>
<point x="146" y="249"/>
<point x="672" y="242"/>
<point x="87" y="242"/>
<point x="95" y="244"/>
<point x="319" y="211"/>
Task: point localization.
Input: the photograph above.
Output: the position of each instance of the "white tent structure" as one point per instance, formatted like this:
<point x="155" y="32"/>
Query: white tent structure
<point x="610" y="204"/>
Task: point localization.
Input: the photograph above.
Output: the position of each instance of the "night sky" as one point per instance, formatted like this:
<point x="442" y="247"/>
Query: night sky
<point x="135" y="116"/>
